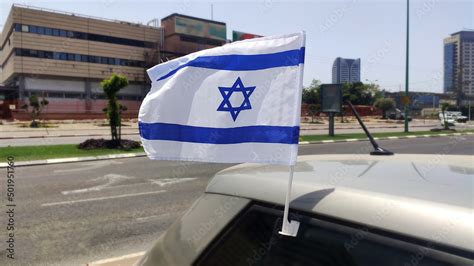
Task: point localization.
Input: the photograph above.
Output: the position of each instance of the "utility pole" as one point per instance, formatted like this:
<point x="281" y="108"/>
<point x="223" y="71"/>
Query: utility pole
<point x="406" y="68"/>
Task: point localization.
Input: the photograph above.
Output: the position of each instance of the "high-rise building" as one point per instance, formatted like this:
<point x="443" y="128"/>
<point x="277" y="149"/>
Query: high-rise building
<point x="346" y="70"/>
<point x="459" y="62"/>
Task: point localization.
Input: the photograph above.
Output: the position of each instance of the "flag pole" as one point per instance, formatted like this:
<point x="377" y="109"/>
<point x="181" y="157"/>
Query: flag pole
<point x="289" y="228"/>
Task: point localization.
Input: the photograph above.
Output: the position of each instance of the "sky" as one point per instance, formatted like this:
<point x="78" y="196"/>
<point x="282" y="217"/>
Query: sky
<point x="374" y="31"/>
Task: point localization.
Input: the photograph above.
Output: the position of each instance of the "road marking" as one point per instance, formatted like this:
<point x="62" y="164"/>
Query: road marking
<point x="411" y="136"/>
<point x="351" y="140"/>
<point x="88" y="166"/>
<point x="164" y="215"/>
<point x="168" y="181"/>
<point x="116" y="259"/>
<point x="392" y="137"/>
<point x="101" y="198"/>
<point x="110" y="178"/>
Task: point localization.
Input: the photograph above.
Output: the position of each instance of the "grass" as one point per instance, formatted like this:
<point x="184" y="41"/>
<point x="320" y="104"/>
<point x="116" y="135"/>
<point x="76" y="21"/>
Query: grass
<point x="28" y="153"/>
<point x="376" y="135"/>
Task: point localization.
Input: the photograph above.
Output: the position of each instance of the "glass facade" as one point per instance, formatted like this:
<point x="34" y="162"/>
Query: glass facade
<point x="80" y="35"/>
<point x="78" y="57"/>
<point x="449" y="63"/>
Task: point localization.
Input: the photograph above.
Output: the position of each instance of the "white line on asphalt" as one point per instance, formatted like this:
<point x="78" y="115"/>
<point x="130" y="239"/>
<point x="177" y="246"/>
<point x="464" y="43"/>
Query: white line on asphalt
<point x="164" y="215"/>
<point x="109" y="178"/>
<point x="411" y="136"/>
<point x="169" y="181"/>
<point x="392" y="137"/>
<point x="103" y="188"/>
<point x="101" y="198"/>
<point x="351" y="140"/>
<point x="115" y="259"/>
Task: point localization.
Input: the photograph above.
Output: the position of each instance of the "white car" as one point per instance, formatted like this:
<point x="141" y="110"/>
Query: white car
<point x="450" y="119"/>
<point x="406" y="209"/>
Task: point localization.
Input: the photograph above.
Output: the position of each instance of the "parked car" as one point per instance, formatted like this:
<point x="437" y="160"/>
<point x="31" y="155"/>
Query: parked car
<point x="452" y="117"/>
<point x="397" y="115"/>
<point x="352" y="209"/>
<point x="458" y="117"/>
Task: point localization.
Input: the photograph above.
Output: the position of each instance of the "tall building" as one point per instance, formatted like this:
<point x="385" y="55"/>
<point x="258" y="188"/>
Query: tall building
<point x="346" y="70"/>
<point x="63" y="57"/>
<point x="459" y="62"/>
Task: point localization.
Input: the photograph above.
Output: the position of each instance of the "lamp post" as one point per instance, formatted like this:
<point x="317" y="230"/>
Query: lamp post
<point x="406" y="68"/>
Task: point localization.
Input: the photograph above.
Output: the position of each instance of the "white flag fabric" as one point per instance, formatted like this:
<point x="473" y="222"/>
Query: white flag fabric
<point x="240" y="102"/>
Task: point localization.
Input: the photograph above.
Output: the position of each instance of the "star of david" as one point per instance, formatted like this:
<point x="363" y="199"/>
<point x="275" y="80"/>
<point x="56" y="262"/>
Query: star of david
<point x="226" y="92"/>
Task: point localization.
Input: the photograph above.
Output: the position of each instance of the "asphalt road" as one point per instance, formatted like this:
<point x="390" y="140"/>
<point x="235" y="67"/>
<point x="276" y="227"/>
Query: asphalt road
<point x="75" y="213"/>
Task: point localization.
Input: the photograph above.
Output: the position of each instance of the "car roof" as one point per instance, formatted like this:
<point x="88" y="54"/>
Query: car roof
<point x="411" y="194"/>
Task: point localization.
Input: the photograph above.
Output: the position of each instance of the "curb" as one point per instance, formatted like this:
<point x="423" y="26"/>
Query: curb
<point x="142" y="154"/>
<point x="76" y="159"/>
<point x="387" y="138"/>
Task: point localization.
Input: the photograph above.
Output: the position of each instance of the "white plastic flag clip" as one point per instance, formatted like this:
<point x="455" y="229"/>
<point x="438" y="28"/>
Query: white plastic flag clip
<point x="289" y="228"/>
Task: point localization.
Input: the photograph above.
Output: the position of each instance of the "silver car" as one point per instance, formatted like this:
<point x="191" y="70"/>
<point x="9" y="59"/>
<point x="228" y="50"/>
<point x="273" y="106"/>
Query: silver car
<point x="352" y="209"/>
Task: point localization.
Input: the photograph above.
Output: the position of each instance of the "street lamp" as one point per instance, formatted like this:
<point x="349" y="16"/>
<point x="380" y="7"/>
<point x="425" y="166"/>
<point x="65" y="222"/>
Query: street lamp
<point x="406" y="101"/>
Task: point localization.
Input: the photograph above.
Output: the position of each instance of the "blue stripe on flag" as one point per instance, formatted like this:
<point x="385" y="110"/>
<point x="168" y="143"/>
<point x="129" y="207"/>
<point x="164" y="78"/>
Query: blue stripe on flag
<point x="260" y="134"/>
<point x="244" y="62"/>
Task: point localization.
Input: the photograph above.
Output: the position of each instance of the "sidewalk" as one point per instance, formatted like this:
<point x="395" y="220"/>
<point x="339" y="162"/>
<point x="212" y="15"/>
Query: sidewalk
<point x="98" y="129"/>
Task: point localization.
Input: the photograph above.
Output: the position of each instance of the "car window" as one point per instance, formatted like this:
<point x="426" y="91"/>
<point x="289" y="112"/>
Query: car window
<point x="253" y="239"/>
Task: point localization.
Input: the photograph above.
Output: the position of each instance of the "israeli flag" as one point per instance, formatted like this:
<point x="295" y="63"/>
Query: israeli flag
<point x="240" y="102"/>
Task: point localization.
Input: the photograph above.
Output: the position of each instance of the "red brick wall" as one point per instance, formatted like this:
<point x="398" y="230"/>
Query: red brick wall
<point x="59" y="109"/>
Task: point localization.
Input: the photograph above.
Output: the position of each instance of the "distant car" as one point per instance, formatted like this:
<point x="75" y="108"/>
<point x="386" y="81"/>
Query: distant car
<point x="396" y="114"/>
<point x="458" y="117"/>
<point x="352" y="209"/>
<point x="450" y="119"/>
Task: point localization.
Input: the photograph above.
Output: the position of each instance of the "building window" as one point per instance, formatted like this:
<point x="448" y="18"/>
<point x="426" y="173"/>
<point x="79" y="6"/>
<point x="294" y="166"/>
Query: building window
<point x="17" y="27"/>
<point x="25" y="28"/>
<point x="33" y="29"/>
<point x="40" y="30"/>
<point x="77" y="57"/>
<point x="55" y="32"/>
<point x="62" y="33"/>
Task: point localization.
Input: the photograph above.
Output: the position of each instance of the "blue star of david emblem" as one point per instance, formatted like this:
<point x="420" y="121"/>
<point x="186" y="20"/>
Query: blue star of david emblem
<point x="226" y="92"/>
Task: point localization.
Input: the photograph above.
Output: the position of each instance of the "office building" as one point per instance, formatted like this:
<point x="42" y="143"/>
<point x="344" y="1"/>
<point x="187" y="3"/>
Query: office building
<point x="346" y="70"/>
<point x="64" y="56"/>
<point x="459" y="62"/>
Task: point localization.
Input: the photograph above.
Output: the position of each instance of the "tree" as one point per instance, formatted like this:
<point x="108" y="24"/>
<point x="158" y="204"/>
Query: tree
<point x="444" y="107"/>
<point x="312" y="94"/>
<point x="111" y="87"/>
<point x="360" y="94"/>
<point x="37" y="106"/>
<point x="384" y="104"/>
<point x="313" y="109"/>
